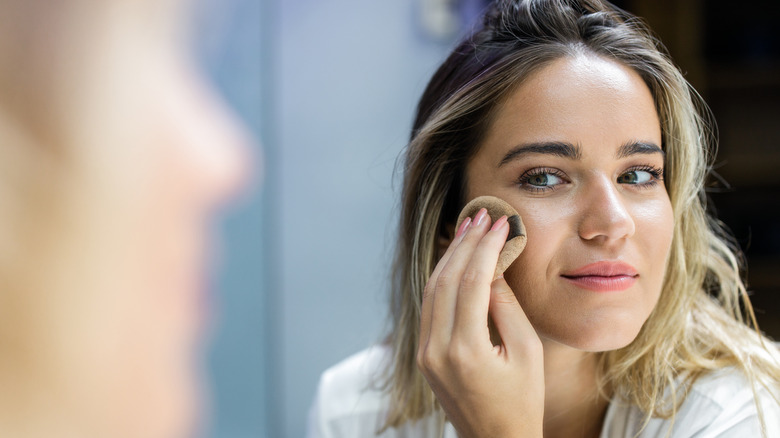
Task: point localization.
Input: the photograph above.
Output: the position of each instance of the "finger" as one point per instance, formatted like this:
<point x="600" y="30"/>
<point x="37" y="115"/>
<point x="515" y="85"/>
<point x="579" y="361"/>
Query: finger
<point x="449" y="279"/>
<point x="430" y="287"/>
<point x="471" y="310"/>
<point x="517" y="334"/>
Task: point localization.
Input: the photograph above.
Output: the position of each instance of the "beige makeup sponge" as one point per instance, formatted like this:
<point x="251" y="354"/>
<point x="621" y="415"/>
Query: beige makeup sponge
<point x="515" y="241"/>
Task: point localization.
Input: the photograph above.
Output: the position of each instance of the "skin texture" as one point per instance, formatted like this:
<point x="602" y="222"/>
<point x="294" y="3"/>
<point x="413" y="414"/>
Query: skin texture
<point x="596" y="206"/>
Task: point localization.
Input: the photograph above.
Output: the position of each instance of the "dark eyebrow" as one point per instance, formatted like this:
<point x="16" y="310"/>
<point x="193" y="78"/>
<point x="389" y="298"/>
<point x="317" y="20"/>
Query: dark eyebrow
<point x="638" y="147"/>
<point x="558" y="148"/>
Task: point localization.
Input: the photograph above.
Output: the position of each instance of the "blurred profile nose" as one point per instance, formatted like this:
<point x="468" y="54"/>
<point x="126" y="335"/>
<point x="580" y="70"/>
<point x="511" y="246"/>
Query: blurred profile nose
<point x="221" y="157"/>
<point x="227" y="158"/>
<point x="604" y="216"/>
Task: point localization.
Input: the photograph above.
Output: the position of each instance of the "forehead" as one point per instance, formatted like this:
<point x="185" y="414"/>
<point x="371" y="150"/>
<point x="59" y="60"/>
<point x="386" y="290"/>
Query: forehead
<point x="583" y="99"/>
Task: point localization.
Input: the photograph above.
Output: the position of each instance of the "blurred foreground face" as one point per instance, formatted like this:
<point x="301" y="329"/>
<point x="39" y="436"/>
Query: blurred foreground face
<point x="113" y="304"/>
<point x="188" y="164"/>
<point x="183" y="161"/>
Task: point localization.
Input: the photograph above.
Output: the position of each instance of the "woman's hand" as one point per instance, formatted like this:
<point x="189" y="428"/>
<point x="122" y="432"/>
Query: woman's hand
<point x="485" y="390"/>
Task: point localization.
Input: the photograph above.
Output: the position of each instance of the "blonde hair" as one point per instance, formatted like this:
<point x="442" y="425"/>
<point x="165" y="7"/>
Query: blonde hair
<point x="703" y="320"/>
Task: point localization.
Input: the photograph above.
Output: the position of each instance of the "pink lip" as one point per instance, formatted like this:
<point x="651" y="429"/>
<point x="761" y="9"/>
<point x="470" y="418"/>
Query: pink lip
<point x="603" y="276"/>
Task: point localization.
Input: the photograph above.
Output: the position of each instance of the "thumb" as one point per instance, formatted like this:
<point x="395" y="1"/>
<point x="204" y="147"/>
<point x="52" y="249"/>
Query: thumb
<point x="510" y="320"/>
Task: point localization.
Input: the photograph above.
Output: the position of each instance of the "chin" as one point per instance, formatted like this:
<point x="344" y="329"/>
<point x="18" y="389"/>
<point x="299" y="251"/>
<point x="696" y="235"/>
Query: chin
<point x="177" y="417"/>
<point x="606" y="334"/>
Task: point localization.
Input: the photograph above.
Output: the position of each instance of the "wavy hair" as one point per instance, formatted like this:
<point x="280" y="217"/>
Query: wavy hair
<point x="703" y="319"/>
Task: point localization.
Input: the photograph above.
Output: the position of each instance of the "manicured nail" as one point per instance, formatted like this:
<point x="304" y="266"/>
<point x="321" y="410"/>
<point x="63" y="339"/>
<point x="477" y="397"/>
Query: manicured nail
<point x="481" y="215"/>
<point x="463" y="227"/>
<point x="500" y="223"/>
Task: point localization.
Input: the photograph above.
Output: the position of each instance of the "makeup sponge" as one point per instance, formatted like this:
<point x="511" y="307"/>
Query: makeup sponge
<point x="515" y="241"/>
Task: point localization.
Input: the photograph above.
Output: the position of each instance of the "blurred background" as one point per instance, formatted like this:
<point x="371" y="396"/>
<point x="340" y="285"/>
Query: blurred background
<point x="329" y="89"/>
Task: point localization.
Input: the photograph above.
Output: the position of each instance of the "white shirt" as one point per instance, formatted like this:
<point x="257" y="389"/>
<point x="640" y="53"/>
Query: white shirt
<point x="349" y="404"/>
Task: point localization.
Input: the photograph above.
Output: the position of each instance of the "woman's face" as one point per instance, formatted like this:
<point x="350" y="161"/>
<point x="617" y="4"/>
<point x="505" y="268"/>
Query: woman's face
<point x="576" y="150"/>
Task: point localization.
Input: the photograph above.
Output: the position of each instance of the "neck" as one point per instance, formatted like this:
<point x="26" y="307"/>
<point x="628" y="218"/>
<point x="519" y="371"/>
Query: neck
<point x="573" y="407"/>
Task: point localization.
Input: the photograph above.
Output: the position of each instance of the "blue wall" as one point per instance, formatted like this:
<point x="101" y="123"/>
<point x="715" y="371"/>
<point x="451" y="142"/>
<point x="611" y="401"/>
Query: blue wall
<point x="329" y="87"/>
<point x="231" y="39"/>
<point x="349" y="74"/>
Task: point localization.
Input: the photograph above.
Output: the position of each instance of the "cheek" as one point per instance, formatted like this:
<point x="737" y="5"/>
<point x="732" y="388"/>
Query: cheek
<point x="547" y="227"/>
<point x="654" y="232"/>
<point x="154" y="257"/>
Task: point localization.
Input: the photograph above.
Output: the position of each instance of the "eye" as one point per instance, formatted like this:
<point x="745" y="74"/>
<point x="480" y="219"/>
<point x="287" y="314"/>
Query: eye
<point x="641" y="176"/>
<point x="541" y="179"/>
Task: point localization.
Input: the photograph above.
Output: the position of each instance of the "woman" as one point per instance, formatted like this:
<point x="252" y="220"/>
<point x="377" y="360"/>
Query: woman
<point x="115" y="156"/>
<point x="622" y="316"/>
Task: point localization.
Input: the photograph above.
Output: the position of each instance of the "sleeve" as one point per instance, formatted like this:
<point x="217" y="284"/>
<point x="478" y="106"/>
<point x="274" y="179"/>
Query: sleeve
<point x="348" y="403"/>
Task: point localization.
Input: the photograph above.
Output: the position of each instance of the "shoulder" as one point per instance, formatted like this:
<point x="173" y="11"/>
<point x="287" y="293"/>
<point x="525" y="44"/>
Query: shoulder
<point x="720" y="404"/>
<point x="351" y="401"/>
<point x="354" y="384"/>
<point x="726" y="403"/>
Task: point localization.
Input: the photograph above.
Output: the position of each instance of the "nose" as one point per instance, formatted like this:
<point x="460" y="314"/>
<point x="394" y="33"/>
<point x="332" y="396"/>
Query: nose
<point x="226" y="160"/>
<point x="604" y="215"/>
<point x="220" y="152"/>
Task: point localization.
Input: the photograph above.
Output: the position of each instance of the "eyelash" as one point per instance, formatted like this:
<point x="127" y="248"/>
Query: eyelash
<point x="525" y="177"/>
<point x="656" y="173"/>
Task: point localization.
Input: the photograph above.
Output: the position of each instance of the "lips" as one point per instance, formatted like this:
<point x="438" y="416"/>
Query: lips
<point x="603" y="276"/>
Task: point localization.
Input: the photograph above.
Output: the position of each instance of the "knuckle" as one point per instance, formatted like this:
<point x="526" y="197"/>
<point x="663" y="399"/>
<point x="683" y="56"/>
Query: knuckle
<point x="429" y="289"/>
<point x="502" y="293"/>
<point x="426" y="360"/>
<point x="462" y="361"/>
<point x="505" y="296"/>
<point x="420" y="359"/>
<point x="459" y="354"/>
<point x="470" y="278"/>
<point x="444" y="280"/>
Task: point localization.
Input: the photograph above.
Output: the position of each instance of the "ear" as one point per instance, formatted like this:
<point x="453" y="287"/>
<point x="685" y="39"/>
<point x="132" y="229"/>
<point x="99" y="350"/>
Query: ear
<point x="444" y="239"/>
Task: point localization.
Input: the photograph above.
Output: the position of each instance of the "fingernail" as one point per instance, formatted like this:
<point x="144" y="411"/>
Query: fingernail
<point x="463" y="226"/>
<point x="499" y="224"/>
<point x="480" y="217"/>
